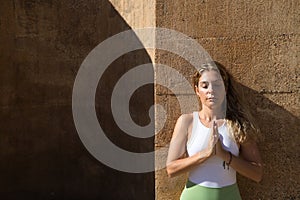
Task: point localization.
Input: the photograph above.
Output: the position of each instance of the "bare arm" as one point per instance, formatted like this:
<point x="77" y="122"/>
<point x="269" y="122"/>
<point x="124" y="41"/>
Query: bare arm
<point x="248" y="164"/>
<point x="177" y="163"/>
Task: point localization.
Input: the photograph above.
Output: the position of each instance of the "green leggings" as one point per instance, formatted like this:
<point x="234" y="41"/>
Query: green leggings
<point x="193" y="191"/>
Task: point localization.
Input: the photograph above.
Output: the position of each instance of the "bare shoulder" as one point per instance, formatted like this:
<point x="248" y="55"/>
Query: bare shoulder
<point x="249" y="144"/>
<point x="185" y="119"/>
<point x="183" y="123"/>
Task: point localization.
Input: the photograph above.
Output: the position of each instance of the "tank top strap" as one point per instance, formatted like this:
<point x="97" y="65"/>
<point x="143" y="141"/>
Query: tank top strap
<point x="194" y="129"/>
<point x="195" y="120"/>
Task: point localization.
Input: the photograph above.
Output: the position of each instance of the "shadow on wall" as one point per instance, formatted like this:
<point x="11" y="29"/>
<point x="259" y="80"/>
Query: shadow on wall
<point x="43" y="44"/>
<point x="279" y="148"/>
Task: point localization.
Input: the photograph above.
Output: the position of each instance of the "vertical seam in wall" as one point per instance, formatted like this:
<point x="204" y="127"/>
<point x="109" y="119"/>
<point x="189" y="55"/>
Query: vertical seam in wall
<point x="155" y="97"/>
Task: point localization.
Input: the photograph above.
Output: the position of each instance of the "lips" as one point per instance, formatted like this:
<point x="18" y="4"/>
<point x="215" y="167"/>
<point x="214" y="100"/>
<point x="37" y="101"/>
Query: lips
<point x="211" y="98"/>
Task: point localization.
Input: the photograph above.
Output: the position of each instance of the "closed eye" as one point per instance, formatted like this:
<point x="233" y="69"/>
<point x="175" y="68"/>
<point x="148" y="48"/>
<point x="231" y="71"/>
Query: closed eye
<point x="204" y="85"/>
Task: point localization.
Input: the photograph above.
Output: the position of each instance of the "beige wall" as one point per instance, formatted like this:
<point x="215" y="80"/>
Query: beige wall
<point x="137" y="14"/>
<point x="43" y="44"/>
<point x="258" y="42"/>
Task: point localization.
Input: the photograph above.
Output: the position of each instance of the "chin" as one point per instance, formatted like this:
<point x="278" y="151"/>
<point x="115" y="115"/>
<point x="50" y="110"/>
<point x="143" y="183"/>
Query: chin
<point x="214" y="105"/>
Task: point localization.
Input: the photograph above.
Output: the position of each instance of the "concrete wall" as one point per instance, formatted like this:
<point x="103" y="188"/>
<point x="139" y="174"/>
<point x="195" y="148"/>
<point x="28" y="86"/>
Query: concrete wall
<point x="137" y="14"/>
<point x="258" y="42"/>
<point x="42" y="45"/>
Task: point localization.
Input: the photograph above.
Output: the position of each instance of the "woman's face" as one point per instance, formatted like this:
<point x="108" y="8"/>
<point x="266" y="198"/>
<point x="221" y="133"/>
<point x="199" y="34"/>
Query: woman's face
<point x="211" y="89"/>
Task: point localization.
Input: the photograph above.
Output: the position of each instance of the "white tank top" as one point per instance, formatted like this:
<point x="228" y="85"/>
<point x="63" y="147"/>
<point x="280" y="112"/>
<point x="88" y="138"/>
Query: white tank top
<point x="211" y="173"/>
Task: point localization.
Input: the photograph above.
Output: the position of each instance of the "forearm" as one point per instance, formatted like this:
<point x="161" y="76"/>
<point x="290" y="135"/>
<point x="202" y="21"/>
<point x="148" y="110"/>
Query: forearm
<point x="246" y="168"/>
<point x="183" y="165"/>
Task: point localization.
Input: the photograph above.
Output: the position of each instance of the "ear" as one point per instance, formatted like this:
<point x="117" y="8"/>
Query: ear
<point x="197" y="90"/>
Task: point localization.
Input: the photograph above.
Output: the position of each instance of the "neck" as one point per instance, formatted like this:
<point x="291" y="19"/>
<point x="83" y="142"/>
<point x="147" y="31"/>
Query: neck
<point x="209" y="114"/>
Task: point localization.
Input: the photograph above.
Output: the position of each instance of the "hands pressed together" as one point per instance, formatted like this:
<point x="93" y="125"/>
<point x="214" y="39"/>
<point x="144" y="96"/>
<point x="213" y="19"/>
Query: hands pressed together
<point x="214" y="144"/>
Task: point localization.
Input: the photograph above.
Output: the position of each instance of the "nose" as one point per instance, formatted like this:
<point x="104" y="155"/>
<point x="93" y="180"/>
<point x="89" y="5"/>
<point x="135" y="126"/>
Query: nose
<point x="210" y="88"/>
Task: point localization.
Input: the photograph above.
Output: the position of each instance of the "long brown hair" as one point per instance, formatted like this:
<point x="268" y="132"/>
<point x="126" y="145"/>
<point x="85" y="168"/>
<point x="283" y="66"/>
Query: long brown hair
<point x="239" y="120"/>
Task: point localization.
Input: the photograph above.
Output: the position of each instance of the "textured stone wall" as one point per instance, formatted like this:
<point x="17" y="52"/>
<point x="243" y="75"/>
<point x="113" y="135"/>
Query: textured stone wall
<point x="42" y="45"/>
<point x="258" y="42"/>
<point x="137" y="14"/>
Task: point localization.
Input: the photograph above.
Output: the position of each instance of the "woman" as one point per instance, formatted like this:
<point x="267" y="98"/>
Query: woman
<point x="216" y="142"/>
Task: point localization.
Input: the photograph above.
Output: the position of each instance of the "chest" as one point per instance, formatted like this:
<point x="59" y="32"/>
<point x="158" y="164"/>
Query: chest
<point x="200" y="136"/>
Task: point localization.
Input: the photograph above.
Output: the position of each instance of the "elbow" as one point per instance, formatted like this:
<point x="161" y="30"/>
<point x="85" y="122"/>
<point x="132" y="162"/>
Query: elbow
<point x="259" y="175"/>
<point x="258" y="178"/>
<point x="170" y="172"/>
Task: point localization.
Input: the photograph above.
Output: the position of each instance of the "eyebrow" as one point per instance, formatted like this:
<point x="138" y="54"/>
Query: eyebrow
<point x="211" y="81"/>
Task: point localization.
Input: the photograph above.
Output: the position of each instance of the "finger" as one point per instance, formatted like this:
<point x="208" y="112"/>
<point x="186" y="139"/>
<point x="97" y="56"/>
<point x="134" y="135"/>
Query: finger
<point x="215" y="128"/>
<point x="215" y="150"/>
<point x="215" y="138"/>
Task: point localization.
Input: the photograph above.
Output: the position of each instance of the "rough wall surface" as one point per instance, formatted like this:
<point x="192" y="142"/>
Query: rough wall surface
<point x="42" y="45"/>
<point x="137" y="14"/>
<point x="258" y="42"/>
